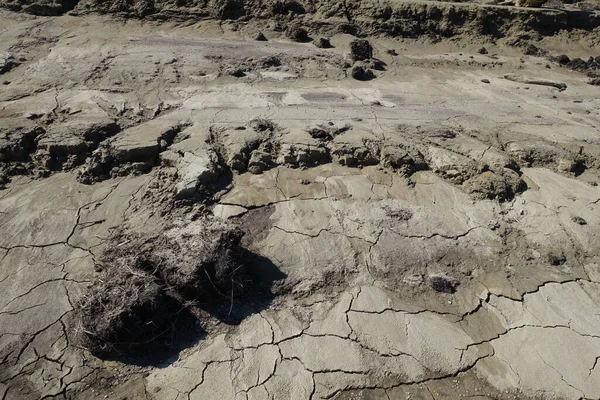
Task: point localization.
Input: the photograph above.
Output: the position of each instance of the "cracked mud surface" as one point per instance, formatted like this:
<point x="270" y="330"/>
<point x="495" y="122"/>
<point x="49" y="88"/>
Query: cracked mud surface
<point x="431" y="233"/>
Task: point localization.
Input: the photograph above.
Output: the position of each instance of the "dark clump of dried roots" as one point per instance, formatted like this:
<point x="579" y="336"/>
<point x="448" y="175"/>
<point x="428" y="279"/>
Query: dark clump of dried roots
<point x="128" y="309"/>
<point x="150" y="284"/>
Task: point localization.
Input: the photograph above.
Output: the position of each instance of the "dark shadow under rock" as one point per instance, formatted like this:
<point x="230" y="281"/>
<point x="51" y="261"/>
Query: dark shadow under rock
<point x="377" y="65"/>
<point x="7" y="62"/>
<point x="285" y="7"/>
<point x="236" y="72"/>
<point x="266" y="282"/>
<point x="16" y="144"/>
<point x="231" y="9"/>
<point x="323" y="43"/>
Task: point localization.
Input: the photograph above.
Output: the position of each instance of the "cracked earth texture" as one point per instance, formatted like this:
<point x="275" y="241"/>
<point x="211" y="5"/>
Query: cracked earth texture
<point x="431" y="234"/>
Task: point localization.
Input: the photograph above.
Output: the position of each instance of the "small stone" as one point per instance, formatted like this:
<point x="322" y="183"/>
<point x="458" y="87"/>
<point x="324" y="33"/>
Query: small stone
<point x="238" y="73"/>
<point x="485" y="80"/>
<point x="443" y="283"/>
<point x="392" y="52"/>
<point x="531" y="254"/>
<point x="493" y="225"/>
<point x="482" y="50"/>
<point x="578" y="220"/>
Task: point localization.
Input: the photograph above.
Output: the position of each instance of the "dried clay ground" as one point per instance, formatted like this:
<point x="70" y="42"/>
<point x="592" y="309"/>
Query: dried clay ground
<point x="432" y="232"/>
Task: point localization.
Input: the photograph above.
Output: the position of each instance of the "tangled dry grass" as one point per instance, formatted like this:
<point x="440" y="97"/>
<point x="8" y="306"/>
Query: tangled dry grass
<point x="149" y="282"/>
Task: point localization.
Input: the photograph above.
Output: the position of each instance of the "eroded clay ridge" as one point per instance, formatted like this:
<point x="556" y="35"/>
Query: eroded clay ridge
<point x="396" y="18"/>
<point x="194" y="212"/>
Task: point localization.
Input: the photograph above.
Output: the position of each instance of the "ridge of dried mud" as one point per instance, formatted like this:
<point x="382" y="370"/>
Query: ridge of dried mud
<point x="391" y="18"/>
<point x="189" y="213"/>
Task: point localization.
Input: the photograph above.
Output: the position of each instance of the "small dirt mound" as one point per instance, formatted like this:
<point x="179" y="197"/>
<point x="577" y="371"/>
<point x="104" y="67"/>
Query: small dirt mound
<point x="533" y="50"/>
<point x="361" y="73"/>
<point x="251" y="149"/>
<point x="493" y="186"/>
<point x="134" y="152"/>
<point x="327" y="131"/>
<point x="361" y="50"/>
<point x="297" y="34"/>
<point x="263" y="125"/>
<point x="260" y="37"/>
<point x="18" y="143"/>
<point x="403" y="159"/>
